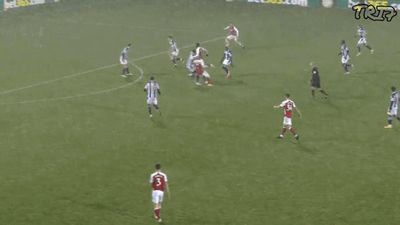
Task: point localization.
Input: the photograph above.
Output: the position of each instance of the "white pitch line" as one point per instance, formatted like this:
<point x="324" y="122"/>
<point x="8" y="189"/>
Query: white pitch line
<point x="92" y="70"/>
<point x="83" y="95"/>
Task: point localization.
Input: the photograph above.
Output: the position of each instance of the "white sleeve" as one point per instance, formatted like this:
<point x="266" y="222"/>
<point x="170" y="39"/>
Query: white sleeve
<point x="151" y="179"/>
<point x="282" y="104"/>
<point x="237" y="32"/>
<point x="226" y="28"/>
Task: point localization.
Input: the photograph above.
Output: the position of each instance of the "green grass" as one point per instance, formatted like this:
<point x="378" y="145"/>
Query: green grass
<point x="86" y="160"/>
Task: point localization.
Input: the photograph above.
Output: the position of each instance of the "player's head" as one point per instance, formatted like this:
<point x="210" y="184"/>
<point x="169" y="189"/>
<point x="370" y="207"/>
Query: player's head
<point x="360" y="26"/>
<point x="193" y="51"/>
<point x="170" y="37"/>
<point x="315" y="68"/>
<point x="151" y="78"/>
<point x="226" y="48"/>
<point x="158" y="166"/>
<point x="393" y="88"/>
<point x="287" y="95"/>
<point x="129" y="45"/>
<point x="197" y="45"/>
<point x="343" y="42"/>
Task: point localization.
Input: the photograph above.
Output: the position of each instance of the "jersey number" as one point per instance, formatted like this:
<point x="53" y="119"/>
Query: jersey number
<point x="158" y="181"/>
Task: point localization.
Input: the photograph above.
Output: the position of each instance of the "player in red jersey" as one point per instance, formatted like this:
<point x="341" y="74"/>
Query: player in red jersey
<point x="199" y="71"/>
<point x="159" y="184"/>
<point x="233" y="34"/>
<point x="288" y="105"/>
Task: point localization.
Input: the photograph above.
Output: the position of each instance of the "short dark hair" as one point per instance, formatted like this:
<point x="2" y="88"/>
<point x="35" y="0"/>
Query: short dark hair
<point x="130" y="44"/>
<point x="151" y="78"/>
<point x="197" y="44"/>
<point x="287" y="95"/>
<point x="393" y="88"/>
<point x="158" y="166"/>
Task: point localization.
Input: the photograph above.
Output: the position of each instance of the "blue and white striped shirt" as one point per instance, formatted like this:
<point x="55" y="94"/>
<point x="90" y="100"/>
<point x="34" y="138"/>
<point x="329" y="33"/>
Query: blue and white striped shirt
<point x="152" y="89"/>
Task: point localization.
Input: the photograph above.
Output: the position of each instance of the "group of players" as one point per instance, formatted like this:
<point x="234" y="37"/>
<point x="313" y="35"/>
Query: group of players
<point x="196" y="66"/>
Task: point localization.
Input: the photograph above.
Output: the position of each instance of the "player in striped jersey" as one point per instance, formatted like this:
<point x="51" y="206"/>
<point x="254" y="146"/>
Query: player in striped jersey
<point x="345" y="54"/>
<point x="393" y="107"/>
<point x="227" y="61"/>
<point x="124" y="61"/>
<point x="173" y="50"/>
<point x="152" y="89"/>
<point x="159" y="184"/>
<point x="233" y="34"/>
<point x="288" y="105"/>
<point x="362" y="35"/>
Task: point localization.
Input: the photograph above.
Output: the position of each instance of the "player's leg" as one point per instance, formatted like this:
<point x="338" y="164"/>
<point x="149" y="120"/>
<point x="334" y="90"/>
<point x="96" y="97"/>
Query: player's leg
<point x="293" y="131"/>
<point x="323" y="92"/>
<point x="284" y="128"/>
<point x="149" y="103"/>
<point x="155" y="105"/>
<point x="207" y="78"/>
<point x="236" y="39"/>
<point x="313" y="91"/>
<point x="389" y="121"/>
<point x="369" y="47"/>
<point x="227" y="41"/>
<point x="157" y="199"/>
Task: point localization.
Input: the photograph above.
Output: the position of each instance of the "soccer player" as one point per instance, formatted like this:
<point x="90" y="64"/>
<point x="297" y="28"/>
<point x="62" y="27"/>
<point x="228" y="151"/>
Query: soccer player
<point x="362" y="34"/>
<point x="393" y="107"/>
<point x="189" y="62"/>
<point x="173" y="50"/>
<point x="200" y="71"/>
<point x="316" y="82"/>
<point x="123" y="59"/>
<point x="227" y="61"/>
<point x="153" y="90"/>
<point x="200" y="52"/>
<point x="233" y="34"/>
<point x="159" y="184"/>
<point x="345" y="54"/>
<point x="288" y="105"/>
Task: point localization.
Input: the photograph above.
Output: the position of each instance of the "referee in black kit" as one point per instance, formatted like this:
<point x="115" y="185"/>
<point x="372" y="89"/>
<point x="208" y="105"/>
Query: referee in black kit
<point x="316" y="83"/>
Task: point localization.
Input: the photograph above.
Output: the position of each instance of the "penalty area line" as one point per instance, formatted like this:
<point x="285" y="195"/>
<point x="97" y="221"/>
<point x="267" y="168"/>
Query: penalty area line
<point x="84" y="95"/>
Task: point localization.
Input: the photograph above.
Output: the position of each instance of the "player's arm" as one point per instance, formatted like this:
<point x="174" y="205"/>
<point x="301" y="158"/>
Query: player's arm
<point x="277" y="106"/>
<point x="159" y="91"/>
<point x="226" y="28"/>
<point x="237" y="32"/>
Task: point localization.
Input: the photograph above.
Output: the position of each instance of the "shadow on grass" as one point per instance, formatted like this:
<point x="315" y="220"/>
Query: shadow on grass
<point x="158" y="122"/>
<point x="231" y="82"/>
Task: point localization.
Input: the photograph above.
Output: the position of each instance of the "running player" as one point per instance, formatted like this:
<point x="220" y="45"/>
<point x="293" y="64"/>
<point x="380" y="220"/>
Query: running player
<point x="153" y="90"/>
<point x="362" y="35"/>
<point x="345" y="54"/>
<point x="189" y="62"/>
<point x="316" y="82"/>
<point x="124" y="61"/>
<point x="393" y="107"/>
<point x="288" y="105"/>
<point x="159" y="184"/>
<point x="233" y="34"/>
<point x="173" y="50"/>
<point x="227" y="61"/>
<point x="200" y="71"/>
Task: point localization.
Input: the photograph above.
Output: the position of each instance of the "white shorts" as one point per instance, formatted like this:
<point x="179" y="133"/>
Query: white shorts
<point x="362" y="41"/>
<point x="174" y="53"/>
<point x="157" y="196"/>
<point x="345" y="60"/>
<point x="226" y="62"/>
<point x="206" y="74"/>
<point x="152" y="101"/>
<point x="123" y="62"/>
<point x="393" y="112"/>
<point x="287" y="122"/>
<point x="232" y="37"/>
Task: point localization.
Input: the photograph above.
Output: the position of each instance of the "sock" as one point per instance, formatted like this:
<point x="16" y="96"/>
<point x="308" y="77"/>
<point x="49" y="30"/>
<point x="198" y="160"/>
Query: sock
<point x="313" y="93"/>
<point x="157" y="212"/>
<point x="225" y="69"/>
<point x="156" y="107"/>
<point x="149" y="109"/>
<point x="398" y="118"/>
<point x="368" y="47"/>
<point x="359" y="48"/>
<point x="123" y="71"/>
<point x="174" y="61"/>
<point x="389" y="121"/>
<point x="127" y="71"/>
<point x="283" y="131"/>
<point x="293" y="131"/>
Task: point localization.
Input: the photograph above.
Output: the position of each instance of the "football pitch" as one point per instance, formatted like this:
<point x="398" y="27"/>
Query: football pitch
<point x="77" y="145"/>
